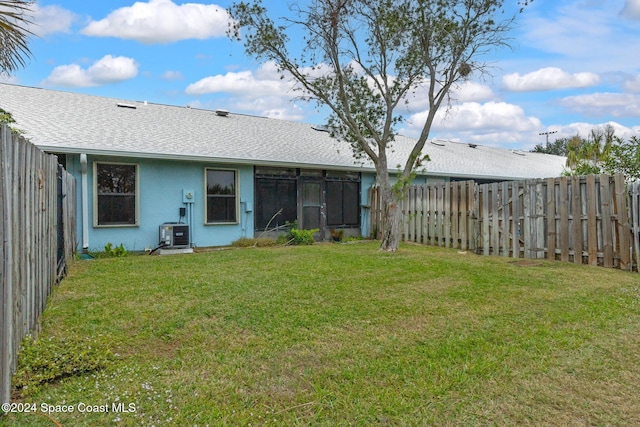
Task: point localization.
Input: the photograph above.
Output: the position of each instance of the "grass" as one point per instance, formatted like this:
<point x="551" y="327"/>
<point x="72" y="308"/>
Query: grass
<point x="345" y="335"/>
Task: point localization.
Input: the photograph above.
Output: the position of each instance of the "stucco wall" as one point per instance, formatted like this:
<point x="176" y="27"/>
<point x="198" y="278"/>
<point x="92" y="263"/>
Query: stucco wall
<point x="160" y="196"/>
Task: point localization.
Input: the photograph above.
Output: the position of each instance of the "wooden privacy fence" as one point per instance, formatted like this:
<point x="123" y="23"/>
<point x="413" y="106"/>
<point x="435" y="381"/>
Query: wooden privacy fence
<point x="577" y="219"/>
<point x="37" y="214"/>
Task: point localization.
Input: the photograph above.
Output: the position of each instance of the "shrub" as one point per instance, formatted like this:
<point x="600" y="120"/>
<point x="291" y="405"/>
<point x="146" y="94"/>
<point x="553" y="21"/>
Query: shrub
<point x="302" y="237"/>
<point x="297" y="237"/>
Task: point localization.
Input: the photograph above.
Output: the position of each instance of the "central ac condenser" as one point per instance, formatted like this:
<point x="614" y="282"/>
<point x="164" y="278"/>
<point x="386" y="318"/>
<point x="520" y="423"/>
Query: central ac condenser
<point x="174" y="235"/>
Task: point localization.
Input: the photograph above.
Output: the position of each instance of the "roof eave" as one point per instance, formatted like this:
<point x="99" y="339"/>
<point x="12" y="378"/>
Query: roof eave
<point x="202" y="159"/>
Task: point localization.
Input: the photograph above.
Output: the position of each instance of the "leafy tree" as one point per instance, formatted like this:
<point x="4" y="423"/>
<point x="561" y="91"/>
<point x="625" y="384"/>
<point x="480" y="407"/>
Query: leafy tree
<point x="365" y="59"/>
<point x="7" y="119"/>
<point x="557" y="147"/>
<point x="624" y="157"/>
<point x="14" y="33"/>
<point x="587" y="156"/>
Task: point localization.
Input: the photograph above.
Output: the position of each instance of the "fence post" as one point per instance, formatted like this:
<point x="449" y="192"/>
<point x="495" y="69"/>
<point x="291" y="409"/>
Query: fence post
<point x="622" y="222"/>
<point x="551" y="219"/>
<point x="576" y="217"/>
<point x="607" y="232"/>
<point x="6" y="271"/>
<point x="455" y="215"/>
<point x="592" y="220"/>
<point x="464" y="215"/>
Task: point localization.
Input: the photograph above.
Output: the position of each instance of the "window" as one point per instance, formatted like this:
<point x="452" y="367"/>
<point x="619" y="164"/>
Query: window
<point x="222" y="201"/>
<point x="343" y="199"/>
<point x="116" y="194"/>
<point x="276" y="188"/>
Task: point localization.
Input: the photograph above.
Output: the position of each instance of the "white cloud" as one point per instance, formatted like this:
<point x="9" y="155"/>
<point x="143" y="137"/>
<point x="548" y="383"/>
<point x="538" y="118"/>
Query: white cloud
<point x="631" y="9"/>
<point x="172" y="75"/>
<point x="162" y="21"/>
<point x="262" y="92"/>
<point x="263" y="82"/>
<point x="286" y="113"/>
<point x="50" y="19"/>
<point x="549" y="78"/>
<point x="604" y="104"/>
<point x="466" y="92"/>
<point x="472" y="92"/>
<point x="277" y="107"/>
<point x="491" y="123"/>
<point x="633" y="85"/>
<point x="107" y="70"/>
<point x="479" y="117"/>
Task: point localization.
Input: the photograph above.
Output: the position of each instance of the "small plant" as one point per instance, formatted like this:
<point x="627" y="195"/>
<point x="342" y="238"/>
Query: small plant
<point x="52" y="359"/>
<point x="303" y="237"/>
<point x="298" y="237"/>
<point x="117" y="251"/>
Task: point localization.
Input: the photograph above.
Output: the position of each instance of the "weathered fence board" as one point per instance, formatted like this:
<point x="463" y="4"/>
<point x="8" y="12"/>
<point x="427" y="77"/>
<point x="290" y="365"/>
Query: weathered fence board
<point x="29" y="230"/>
<point x="634" y="209"/>
<point x="589" y="219"/>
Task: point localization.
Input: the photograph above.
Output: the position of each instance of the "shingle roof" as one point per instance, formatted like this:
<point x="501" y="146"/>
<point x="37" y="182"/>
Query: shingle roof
<point x="76" y="123"/>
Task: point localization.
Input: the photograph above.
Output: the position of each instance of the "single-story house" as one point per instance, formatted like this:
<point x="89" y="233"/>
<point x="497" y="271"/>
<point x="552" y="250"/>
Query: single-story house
<point x="140" y="165"/>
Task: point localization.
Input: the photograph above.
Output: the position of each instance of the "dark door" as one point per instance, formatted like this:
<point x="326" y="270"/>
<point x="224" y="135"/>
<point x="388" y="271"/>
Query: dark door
<point x="312" y="206"/>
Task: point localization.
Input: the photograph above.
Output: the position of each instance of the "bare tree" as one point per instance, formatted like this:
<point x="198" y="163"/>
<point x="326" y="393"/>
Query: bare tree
<point x="14" y="34"/>
<point x="365" y="59"/>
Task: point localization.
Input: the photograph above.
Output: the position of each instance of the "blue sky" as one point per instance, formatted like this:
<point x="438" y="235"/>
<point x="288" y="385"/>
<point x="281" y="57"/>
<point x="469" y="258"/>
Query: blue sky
<point x="574" y="65"/>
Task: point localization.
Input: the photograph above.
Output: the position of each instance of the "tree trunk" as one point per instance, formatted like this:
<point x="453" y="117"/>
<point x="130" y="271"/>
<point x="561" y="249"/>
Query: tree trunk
<point x="392" y="218"/>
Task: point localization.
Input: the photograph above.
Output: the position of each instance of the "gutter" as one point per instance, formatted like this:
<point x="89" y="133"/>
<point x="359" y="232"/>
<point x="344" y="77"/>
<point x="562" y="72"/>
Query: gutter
<point x="263" y="162"/>
<point x="85" y="203"/>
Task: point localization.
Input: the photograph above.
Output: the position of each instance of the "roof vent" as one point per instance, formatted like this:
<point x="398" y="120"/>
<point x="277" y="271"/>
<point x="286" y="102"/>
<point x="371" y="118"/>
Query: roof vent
<point x="222" y="113"/>
<point x="518" y="153"/>
<point x="125" y="105"/>
<point x="320" y="128"/>
<point x="433" y="141"/>
<point x="473" y="145"/>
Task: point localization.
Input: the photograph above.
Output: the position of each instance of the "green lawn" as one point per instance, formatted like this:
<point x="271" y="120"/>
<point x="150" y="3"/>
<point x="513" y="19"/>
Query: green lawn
<point x="341" y="334"/>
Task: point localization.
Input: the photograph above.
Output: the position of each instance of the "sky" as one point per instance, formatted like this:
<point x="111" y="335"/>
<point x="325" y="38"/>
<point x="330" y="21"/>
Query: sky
<point x="573" y="65"/>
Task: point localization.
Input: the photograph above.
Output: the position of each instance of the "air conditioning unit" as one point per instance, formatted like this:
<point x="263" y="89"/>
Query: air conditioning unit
<point x="174" y="235"/>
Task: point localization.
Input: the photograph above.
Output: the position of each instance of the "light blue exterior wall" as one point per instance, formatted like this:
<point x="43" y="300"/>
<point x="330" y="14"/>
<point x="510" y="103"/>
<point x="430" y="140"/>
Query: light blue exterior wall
<point x="161" y="185"/>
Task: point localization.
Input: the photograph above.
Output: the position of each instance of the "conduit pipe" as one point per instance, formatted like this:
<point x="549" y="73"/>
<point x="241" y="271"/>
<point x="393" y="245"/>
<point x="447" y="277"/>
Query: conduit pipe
<point x="85" y="203"/>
